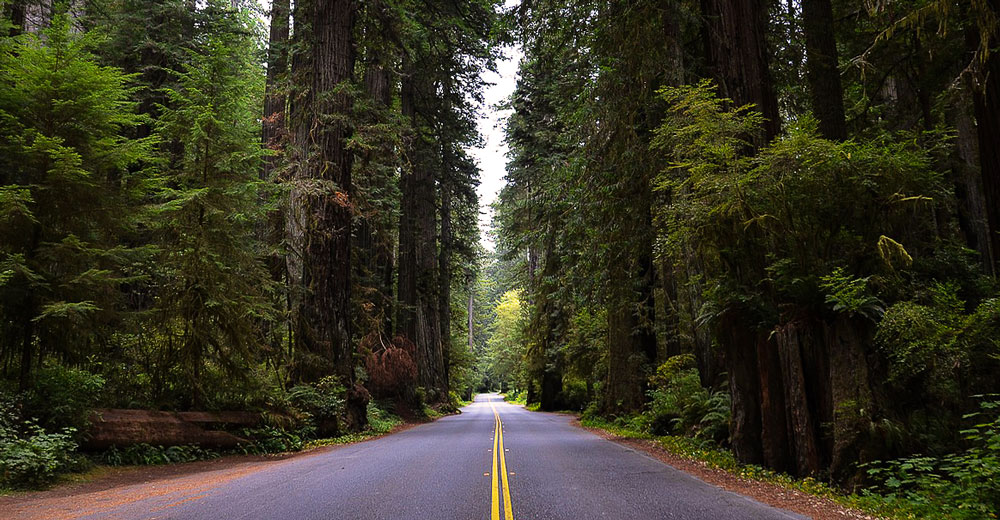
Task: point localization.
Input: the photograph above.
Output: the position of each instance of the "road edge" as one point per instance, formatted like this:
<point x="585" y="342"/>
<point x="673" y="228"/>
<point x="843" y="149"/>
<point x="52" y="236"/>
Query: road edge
<point x="769" y="493"/>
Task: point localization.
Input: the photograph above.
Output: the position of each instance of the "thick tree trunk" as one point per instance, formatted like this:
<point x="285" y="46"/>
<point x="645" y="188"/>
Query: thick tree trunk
<point x="320" y="196"/>
<point x="738" y="342"/>
<point x="27" y="342"/>
<point x="418" y="280"/>
<point x="852" y="401"/>
<point x="737" y="54"/>
<point x="375" y="241"/>
<point x="471" y="317"/>
<point x="791" y="340"/>
<point x="444" y="282"/>
<point x="968" y="183"/>
<point x="774" y="434"/>
<point x="552" y="387"/>
<point x="631" y="343"/>
<point x="986" y="100"/>
<point x="822" y="69"/>
<point x="16" y="12"/>
<point x="549" y="325"/>
<point x="273" y="125"/>
<point x="273" y="135"/>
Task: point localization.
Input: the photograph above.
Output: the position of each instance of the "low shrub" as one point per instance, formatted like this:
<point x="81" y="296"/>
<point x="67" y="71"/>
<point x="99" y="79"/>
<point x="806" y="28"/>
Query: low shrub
<point x="270" y="439"/>
<point x="960" y="485"/>
<point x="35" y="458"/>
<point x="680" y="405"/>
<point x="31" y="457"/>
<point x="147" y="455"/>
<point x="63" y="397"/>
<point x="323" y="402"/>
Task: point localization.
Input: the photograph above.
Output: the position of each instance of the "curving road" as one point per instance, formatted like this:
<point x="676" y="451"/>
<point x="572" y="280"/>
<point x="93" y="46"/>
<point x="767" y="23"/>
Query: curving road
<point x="443" y="469"/>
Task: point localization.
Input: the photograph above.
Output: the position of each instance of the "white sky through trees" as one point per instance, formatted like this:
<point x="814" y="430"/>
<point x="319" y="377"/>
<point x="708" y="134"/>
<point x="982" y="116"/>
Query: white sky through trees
<point x="492" y="156"/>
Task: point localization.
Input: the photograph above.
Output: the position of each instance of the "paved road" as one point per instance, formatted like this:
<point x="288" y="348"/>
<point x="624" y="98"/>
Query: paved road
<point x="440" y="470"/>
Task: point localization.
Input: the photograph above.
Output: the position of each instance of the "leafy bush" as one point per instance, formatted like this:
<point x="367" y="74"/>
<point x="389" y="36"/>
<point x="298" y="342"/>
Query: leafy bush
<point x="960" y="485"/>
<point x="323" y="402"/>
<point x="680" y="405"/>
<point x="574" y="395"/>
<point x="29" y="456"/>
<point x="63" y="397"/>
<point x="921" y="342"/>
<point x="35" y="458"/>
<point x="269" y="439"/>
<point x="381" y="421"/>
<point x="850" y="295"/>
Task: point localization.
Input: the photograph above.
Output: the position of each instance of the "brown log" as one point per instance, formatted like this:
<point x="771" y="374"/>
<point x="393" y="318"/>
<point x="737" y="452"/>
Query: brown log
<point x="124" y="427"/>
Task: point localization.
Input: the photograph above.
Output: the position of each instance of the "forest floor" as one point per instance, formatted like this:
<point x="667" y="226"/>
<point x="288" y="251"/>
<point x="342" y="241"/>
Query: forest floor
<point x="765" y="492"/>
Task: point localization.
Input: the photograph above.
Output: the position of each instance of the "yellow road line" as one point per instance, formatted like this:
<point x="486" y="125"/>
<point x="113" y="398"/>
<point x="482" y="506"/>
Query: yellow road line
<point x="508" y="513"/>
<point x="494" y="495"/>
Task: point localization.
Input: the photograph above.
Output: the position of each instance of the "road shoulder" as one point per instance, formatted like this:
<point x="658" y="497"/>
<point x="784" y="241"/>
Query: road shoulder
<point x="767" y="493"/>
<point x="106" y="480"/>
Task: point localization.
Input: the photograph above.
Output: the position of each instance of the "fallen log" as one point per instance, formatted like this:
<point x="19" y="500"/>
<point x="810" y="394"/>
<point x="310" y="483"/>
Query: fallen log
<point x="126" y="427"/>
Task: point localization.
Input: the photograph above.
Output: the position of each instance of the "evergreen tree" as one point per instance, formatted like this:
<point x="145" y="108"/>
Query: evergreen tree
<point x="212" y="289"/>
<point x="68" y="196"/>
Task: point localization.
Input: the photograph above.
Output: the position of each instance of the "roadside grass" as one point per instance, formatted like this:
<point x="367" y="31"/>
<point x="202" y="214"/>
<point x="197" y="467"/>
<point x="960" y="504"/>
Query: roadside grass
<point x="380" y="422"/>
<point x="520" y="398"/>
<point x="715" y="457"/>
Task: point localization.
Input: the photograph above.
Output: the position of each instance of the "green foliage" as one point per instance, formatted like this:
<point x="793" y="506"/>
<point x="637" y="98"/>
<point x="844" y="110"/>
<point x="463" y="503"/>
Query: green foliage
<point x="271" y="439"/>
<point x="69" y="182"/>
<point x="850" y="295"/>
<point x="678" y="403"/>
<point x="31" y="457"/>
<point x="505" y="348"/>
<point x="64" y="397"/>
<point x="147" y="455"/>
<point x="960" y="485"/>
<point x="35" y="458"/>
<point x="212" y="286"/>
<point x="323" y="403"/>
<point x="920" y="340"/>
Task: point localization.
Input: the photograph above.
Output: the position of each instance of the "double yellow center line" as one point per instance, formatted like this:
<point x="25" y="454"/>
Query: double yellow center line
<point x="495" y="485"/>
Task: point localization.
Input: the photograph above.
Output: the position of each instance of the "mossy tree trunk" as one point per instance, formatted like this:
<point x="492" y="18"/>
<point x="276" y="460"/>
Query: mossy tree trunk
<point x="321" y="195"/>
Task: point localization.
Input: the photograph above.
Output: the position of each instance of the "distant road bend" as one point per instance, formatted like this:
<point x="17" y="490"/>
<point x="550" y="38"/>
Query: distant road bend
<point x="493" y="461"/>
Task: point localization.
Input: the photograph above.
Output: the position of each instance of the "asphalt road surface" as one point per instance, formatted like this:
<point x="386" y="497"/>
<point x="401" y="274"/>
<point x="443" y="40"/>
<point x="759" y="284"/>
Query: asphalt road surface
<point x="493" y="461"/>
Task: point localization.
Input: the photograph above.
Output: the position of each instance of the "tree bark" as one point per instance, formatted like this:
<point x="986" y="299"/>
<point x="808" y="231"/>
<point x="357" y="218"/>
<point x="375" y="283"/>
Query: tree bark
<point x="791" y="340"/>
<point x="418" y="281"/>
<point x="272" y="127"/>
<point x="738" y="342"/>
<point x="444" y="273"/>
<point x="16" y="12"/>
<point x="737" y="55"/>
<point x="986" y="100"/>
<point x="775" y="442"/>
<point x="968" y="182"/>
<point x="273" y="135"/>
<point x="631" y="341"/>
<point x="822" y="69"/>
<point x="320" y="196"/>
